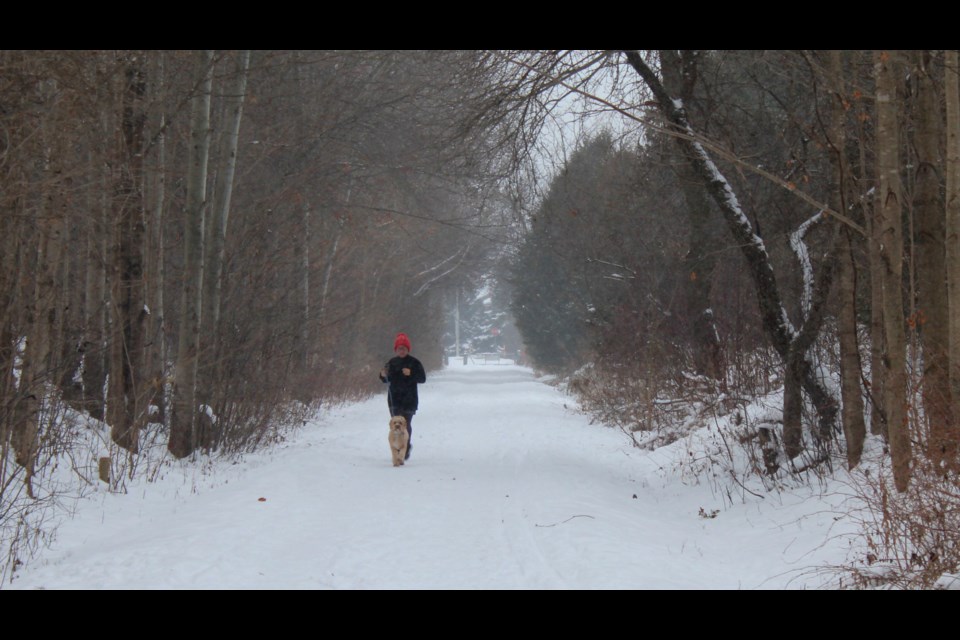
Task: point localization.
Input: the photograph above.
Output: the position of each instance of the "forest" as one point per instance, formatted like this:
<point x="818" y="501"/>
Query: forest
<point x="202" y="247"/>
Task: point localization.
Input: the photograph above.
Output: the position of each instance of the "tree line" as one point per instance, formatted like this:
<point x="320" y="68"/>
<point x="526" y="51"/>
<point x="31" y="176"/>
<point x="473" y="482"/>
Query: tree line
<point x="224" y="233"/>
<point x="803" y="203"/>
<point x="205" y="239"/>
<point x="209" y="243"/>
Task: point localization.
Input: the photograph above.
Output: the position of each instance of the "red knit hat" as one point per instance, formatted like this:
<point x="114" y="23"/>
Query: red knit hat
<point x="402" y="340"/>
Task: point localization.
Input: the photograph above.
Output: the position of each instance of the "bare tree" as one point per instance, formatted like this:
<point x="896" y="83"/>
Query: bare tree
<point x="790" y="343"/>
<point x="41" y="258"/>
<point x="888" y="243"/>
<point x="95" y="343"/>
<point x="183" y="437"/>
<point x="854" y="427"/>
<point x="219" y="217"/>
<point x="932" y="316"/>
<point x="679" y="71"/>
<point x="155" y="197"/>
<point x="952" y="91"/>
<point x="127" y="399"/>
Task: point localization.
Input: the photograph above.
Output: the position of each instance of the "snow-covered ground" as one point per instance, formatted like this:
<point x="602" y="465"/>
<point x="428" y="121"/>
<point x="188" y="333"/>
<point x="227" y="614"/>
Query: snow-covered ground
<point x="508" y="487"/>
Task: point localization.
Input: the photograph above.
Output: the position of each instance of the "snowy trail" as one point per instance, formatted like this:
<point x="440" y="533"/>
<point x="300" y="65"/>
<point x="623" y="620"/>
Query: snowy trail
<point x="507" y="488"/>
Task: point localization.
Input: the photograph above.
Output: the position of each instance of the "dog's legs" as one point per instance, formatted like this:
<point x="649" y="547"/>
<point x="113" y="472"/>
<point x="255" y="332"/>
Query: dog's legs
<point x="409" y="447"/>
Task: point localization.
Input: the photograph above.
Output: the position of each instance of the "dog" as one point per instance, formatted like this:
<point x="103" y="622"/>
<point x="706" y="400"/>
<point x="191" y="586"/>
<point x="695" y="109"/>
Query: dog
<point x="399" y="438"/>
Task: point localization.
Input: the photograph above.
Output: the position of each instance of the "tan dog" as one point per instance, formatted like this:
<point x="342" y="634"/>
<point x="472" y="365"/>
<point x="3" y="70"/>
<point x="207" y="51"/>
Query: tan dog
<point x="398" y="439"/>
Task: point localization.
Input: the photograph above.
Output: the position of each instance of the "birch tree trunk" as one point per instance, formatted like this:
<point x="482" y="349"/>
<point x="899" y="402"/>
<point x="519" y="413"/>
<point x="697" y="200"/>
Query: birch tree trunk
<point x="183" y="439"/>
<point x="223" y="191"/>
<point x="328" y="272"/>
<point x="888" y="242"/>
<point x="211" y="372"/>
<point x="303" y="346"/>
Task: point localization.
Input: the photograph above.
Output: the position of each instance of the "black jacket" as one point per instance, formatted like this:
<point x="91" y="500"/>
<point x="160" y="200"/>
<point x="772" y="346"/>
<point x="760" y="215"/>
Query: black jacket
<point x="402" y="397"/>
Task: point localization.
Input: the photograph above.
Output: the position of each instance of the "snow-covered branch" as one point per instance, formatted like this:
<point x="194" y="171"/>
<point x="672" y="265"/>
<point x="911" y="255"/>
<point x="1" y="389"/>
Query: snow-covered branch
<point x="803" y="257"/>
<point x="698" y="138"/>
<point x="774" y="313"/>
<point x="462" y="253"/>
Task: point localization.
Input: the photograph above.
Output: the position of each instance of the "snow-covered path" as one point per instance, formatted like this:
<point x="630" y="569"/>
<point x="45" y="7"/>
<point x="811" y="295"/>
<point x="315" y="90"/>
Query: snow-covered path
<point x="508" y="487"/>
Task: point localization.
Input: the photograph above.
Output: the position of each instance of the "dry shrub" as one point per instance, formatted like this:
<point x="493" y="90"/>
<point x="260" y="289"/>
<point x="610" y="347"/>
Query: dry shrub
<point x="654" y="407"/>
<point x="30" y="511"/>
<point x="912" y="539"/>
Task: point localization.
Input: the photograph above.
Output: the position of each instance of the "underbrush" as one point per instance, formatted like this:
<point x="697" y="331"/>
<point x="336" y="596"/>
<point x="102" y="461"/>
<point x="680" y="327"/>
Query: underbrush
<point x="65" y="471"/>
<point x="652" y="412"/>
<point x="77" y="458"/>
<point x="733" y="441"/>
<point x="909" y="540"/>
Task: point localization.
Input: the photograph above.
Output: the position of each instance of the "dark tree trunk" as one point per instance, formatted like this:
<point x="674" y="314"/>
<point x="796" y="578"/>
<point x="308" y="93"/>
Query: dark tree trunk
<point x="679" y="77"/>
<point x="931" y="318"/>
<point x="128" y="384"/>
<point x="854" y="426"/>
<point x="888" y="243"/>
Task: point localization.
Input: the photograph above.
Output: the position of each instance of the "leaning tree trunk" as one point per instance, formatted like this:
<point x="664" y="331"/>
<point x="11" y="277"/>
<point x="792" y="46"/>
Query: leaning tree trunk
<point x="888" y="243"/>
<point x="182" y="432"/>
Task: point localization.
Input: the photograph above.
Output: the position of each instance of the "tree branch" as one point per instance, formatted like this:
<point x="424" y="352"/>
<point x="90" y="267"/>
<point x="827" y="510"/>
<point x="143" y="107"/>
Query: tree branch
<point x="691" y="136"/>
